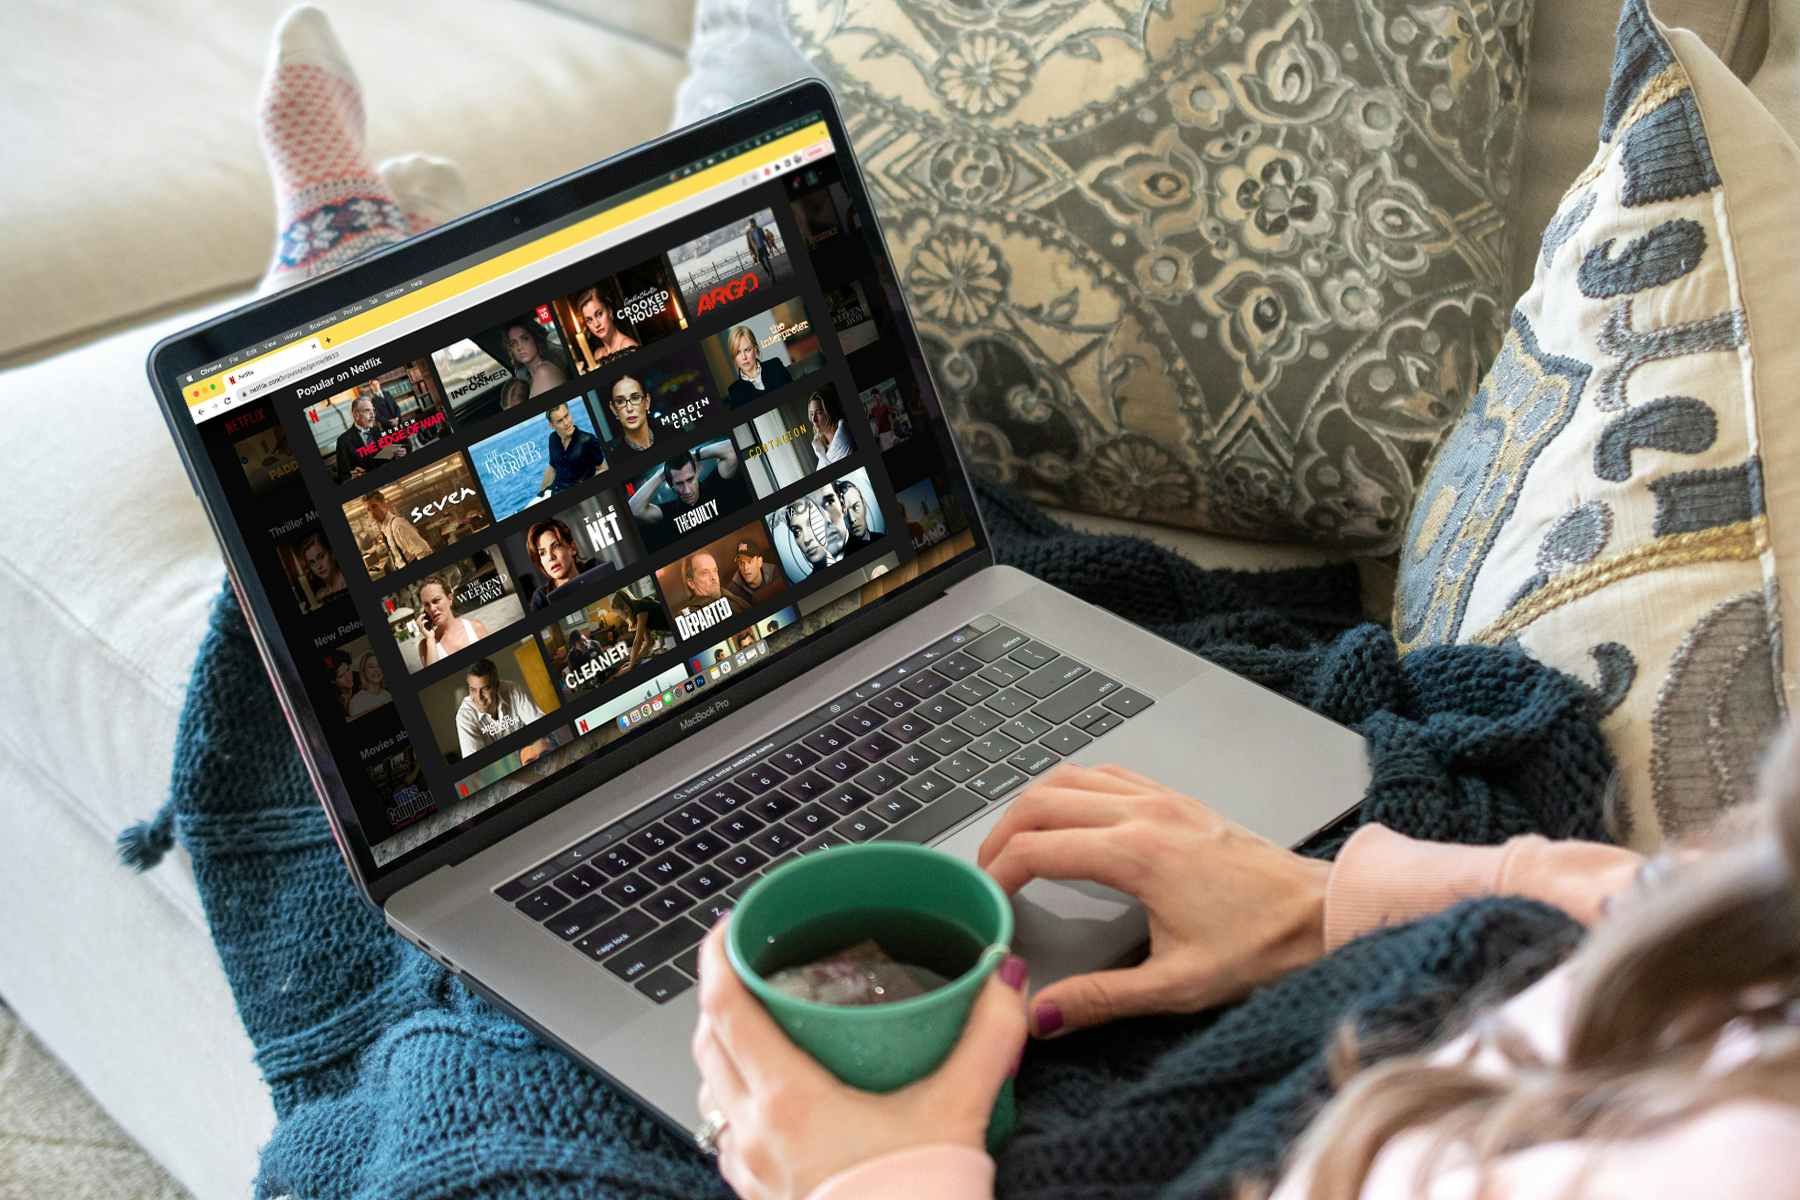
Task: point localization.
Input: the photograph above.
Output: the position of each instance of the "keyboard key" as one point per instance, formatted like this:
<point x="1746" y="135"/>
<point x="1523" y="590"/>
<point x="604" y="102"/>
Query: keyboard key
<point x="913" y="759"/>
<point x="1026" y="728"/>
<point x="893" y="703"/>
<point x="933" y="819"/>
<point x="733" y="893"/>
<point x="795" y="759"/>
<point x="996" y="782"/>
<point x="846" y="799"/>
<point x="875" y="747"/>
<point x="726" y="797"/>
<point x="701" y="846"/>
<point x="994" y="747"/>
<point x="926" y="684"/>
<point x="1104" y="725"/>
<point x="971" y="691"/>
<point x="940" y="709"/>
<point x="806" y="787"/>
<point x="978" y="721"/>
<point x="906" y="727"/>
<point x="777" y="838"/>
<point x="652" y="840"/>
<point x="668" y="903"/>
<point x="743" y="861"/>
<point x="645" y="951"/>
<point x="863" y="721"/>
<point x="927" y="787"/>
<point x="859" y="827"/>
<point x="1064" y="740"/>
<point x="1002" y="674"/>
<point x="569" y="858"/>
<point x="957" y="666"/>
<point x="761" y="778"/>
<point x="736" y="827"/>
<point x="544" y="903"/>
<point x="880" y="778"/>
<point x="947" y="740"/>
<point x="828" y="740"/>
<point x="663" y="984"/>
<point x="774" y="806"/>
<point x="1079" y="702"/>
<point x="1128" y="703"/>
<point x="580" y="917"/>
<point x="618" y="860"/>
<point x="896" y="807"/>
<point x="998" y="644"/>
<point x="1034" y="760"/>
<point x="627" y="890"/>
<point x="1033" y="655"/>
<point x="708" y="912"/>
<point x="531" y="880"/>
<point x="1047" y="680"/>
<point x="579" y="882"/>
<point x="690" y="819"/>
<point x="687" y="962"/>
<point x="707" y="880"/>
<point x="963" y="766"/>
<point x="1010" y="703"/>
<point x="840" y="767"/>
<point x="616" y="934"/>
<point x="665" y="869"/>
<point x="813" y="820"/>
<point x="825" y="841"/>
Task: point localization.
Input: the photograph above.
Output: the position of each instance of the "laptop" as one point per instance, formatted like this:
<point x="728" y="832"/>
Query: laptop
<point x="609" y="547"/>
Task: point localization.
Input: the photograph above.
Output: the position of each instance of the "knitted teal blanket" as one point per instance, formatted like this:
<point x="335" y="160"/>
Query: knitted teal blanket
<point x="391" y="1080"/>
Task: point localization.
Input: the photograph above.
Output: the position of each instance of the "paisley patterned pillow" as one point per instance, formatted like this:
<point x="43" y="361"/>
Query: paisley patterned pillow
<point x="1622" y="493"/>
<point x="1228" y="264"/>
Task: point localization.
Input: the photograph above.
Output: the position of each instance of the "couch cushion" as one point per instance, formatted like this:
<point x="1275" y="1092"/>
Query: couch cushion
<point x="1623" y="497"/>
<point x="133" y="177"/>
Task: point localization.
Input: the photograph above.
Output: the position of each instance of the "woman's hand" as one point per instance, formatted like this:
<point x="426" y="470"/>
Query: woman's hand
<point x="1228" y="909"/>
<point x="791" y="1125"/>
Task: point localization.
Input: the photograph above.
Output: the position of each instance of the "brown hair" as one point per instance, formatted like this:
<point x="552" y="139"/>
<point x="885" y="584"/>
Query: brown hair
<point x="1652" y="989"/>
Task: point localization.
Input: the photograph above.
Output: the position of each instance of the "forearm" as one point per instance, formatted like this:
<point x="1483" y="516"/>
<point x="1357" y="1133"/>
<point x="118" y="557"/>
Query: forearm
<point x="943" y="1171"/>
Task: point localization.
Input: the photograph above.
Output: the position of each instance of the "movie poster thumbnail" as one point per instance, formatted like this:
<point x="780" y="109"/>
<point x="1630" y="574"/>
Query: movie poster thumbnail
<point x="851" y="316"/>
<point x="571" y="548"/>
<point x="651" y="402"/>
<point x="490" y="700"/>
<point x="687" y="491"/>
<point x="642" y="702"/>
<point x="357" y="680"/>
<point x="503" y="367"/>
<point x="378" y="421"/>
<point x="628" y="309"/>
<point x="416" y="516"/>
<point x="722" y="581"/>
<point x="264" y="455"/>
<point x="312" y="567"/>
<point x="793" y="440"/>
<point x="608" y="639"/>
<point x="827" y="525"/>
<point x="738" y="259"/>
<point x="399" y="786"/>
<point x="890" y="416"/>
<point x="451" y="609"/>
<point x="551" y="751"/>
<point x="821" y="210"/>
<point x="847" y="593"/>
<point x="539" y="457"/>
<point x="763" y="353"/>
<point x="931" y="513"/>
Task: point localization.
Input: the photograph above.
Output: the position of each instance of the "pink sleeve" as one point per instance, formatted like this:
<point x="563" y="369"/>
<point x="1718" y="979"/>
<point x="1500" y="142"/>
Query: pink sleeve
<point x="942" y="1172"/>
<point x="1385" y="878"/>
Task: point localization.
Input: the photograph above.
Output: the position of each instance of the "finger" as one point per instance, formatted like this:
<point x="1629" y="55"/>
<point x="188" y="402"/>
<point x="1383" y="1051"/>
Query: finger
<point x="762" y="1053"/>
<point x="1081" y="1001"/>
<point x="1065" y="854"/>
<point x="721" y="1083"/>
<point x="1126" y="775"/>
<point x="1052" y="808"/>
<point x="988" y="1050"/>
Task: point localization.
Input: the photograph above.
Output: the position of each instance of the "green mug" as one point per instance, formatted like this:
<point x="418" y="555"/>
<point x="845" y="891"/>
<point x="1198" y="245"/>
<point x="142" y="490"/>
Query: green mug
<point x="876" y="1047"/>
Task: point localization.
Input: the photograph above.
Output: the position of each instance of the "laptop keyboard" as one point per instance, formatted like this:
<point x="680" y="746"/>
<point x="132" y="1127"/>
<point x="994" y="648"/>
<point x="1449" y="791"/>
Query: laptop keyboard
<point x="909" y="753"/>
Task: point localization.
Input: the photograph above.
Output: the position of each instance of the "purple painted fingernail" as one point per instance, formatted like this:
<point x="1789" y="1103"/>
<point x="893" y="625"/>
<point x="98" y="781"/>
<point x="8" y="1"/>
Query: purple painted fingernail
<point x="1012" y="972"/>
<point x="1017" y="1063"/>
<point x="1049" y="1018"/>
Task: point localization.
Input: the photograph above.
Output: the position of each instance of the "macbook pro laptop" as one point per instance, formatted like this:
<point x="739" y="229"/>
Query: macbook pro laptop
<point x="609" y="547"/>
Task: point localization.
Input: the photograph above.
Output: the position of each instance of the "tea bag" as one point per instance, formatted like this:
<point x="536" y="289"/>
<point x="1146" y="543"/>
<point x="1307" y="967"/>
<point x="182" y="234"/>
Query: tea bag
<point x="859" y="974"/>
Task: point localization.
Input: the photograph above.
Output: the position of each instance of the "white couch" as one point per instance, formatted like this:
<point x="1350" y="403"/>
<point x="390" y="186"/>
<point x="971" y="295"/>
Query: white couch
<point x="135" y="203"/>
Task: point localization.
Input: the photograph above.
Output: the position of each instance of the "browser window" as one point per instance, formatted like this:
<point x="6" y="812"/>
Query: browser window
<point x="519" y="514"/>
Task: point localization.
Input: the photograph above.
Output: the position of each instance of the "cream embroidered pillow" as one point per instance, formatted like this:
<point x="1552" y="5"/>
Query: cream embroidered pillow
<point x="1620" y="498"/>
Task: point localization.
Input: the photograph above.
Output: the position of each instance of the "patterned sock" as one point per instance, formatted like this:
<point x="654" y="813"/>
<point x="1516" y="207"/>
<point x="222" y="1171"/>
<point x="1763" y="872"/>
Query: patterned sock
<point x="332" y="205"/>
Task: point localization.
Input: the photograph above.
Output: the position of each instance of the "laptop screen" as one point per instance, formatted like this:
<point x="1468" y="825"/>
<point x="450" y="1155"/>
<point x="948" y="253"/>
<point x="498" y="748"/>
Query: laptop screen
<point x="518" y="513"/>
